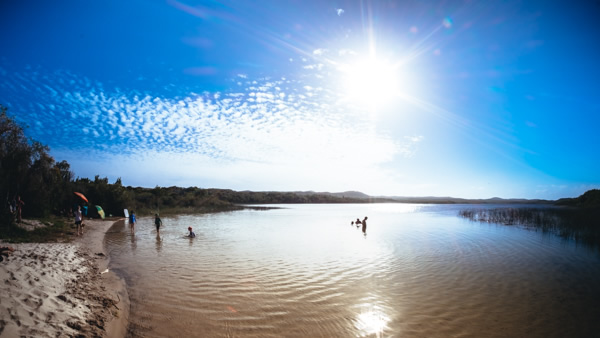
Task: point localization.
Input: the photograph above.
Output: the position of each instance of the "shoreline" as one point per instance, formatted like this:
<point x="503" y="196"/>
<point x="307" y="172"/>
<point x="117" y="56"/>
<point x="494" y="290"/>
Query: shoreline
<point x="63" y="289"/>
<point x="94" y="241"/>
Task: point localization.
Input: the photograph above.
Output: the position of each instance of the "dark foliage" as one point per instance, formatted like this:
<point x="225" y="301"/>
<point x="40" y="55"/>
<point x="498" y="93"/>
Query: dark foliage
<point x="194" y="200"/>
<point x="28" y="171"/>
<point x="252" y="197"/>
<point x="589" y="200"/>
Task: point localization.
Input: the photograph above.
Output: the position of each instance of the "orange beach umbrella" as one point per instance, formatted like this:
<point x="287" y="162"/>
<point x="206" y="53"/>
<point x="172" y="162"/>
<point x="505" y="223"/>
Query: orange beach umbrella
<point x="81" y="196"/>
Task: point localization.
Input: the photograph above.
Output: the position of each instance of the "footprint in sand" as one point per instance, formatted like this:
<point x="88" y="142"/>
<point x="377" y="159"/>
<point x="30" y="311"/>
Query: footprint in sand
<point x="14" y="317"/>
<point x="40" y="293"/>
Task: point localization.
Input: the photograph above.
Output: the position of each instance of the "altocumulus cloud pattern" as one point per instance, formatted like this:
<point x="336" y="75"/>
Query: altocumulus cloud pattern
<point x="266" y="121"/>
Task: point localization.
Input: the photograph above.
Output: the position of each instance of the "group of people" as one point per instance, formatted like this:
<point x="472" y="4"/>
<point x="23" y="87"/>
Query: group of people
<point x="157" y="222"/>
<point x="358" y="223"/>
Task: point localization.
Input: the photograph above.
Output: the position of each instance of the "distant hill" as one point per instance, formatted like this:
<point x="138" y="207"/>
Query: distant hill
<point x="424" y="199"/>
<point x="345" y="194"/>
<point x="193" y="199"/>
<point x="590" y="199"/>
<point x="454" y="200"/>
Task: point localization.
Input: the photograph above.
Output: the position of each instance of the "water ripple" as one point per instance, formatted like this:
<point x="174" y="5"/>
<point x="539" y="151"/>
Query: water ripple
<point x="415" y="274"/>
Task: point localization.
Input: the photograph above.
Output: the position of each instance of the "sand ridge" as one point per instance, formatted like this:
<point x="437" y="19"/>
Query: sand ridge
<point x="62" y="289"/>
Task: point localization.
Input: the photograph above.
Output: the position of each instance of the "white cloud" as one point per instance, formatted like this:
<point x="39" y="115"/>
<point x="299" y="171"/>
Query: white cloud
<point x="345" y="52"/>
<point x="410" y="146"/>
<point x="290" y="133"/>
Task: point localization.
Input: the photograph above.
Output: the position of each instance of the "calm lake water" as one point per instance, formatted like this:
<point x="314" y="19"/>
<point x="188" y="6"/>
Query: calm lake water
<point x="304" y="271"/>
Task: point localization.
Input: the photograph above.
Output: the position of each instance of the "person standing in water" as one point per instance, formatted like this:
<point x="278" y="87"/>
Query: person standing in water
<point x="158" y="223"/>
<point x="192" y="234"/>
<point x="364" y="225"/>
<point x="132" y="221"/>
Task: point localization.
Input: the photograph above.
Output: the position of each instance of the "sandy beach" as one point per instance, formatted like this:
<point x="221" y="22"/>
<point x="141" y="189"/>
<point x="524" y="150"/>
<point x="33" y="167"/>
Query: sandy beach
<point x="63" y="289"/>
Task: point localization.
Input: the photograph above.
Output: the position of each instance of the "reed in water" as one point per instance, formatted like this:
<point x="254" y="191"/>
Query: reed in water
<point x="580" y="224"/>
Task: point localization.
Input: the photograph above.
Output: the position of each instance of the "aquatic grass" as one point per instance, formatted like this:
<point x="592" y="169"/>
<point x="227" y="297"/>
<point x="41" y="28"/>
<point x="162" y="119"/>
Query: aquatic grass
<point x="579" y="224"/>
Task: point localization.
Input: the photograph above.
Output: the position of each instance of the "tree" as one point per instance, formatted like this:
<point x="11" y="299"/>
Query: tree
<point x="41" y="182"/>
<point x="28" y="170"/>
<point x="15" y="160"/>
<point x="15" y="154"/>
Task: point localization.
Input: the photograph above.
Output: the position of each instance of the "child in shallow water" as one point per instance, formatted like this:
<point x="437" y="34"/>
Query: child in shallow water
<point x="157" y="222"/>
<point x="132" y="221"/>
<point x="192" y="234"/>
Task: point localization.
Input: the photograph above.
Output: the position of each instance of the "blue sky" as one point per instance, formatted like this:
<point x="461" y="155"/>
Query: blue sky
<point x="471" y="99"/>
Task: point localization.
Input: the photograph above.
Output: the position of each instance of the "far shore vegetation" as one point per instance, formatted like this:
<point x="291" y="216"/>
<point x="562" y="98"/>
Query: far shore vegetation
<point x="570" y="218"/>
<point x="47" y="187"/>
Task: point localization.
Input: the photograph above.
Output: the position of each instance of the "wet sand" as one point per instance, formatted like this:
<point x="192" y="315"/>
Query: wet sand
<point x="63" y="289"/>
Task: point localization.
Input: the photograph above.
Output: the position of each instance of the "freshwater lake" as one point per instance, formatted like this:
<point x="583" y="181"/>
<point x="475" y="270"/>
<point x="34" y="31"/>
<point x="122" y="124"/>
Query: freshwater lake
<point x="304" y="271"/>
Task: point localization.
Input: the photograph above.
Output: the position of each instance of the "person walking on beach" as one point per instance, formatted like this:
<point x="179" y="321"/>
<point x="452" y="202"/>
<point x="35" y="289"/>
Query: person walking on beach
<point x="78" y="221"/>
<point x="158" y="223"/>
<point x="364" y="225"/>
<point x="19" y="207"/>
<point x="12" y="206"/>
<point x="132" y="221"/>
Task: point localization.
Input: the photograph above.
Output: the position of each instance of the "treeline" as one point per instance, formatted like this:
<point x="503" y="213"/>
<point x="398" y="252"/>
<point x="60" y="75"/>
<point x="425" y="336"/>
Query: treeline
<point x="589" y="200"/>
<point x="194" y="200"/>
<point x="47" y="187"/>
<point x="28" y="171"/>
<point x="253" y="197"/>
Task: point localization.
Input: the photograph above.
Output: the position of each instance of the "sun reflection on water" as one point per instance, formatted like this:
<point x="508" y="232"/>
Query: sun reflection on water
<point x="371" y="322"/>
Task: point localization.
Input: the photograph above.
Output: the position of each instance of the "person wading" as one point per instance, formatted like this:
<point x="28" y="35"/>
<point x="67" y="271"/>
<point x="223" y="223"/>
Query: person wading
<point x="364" y="225"/>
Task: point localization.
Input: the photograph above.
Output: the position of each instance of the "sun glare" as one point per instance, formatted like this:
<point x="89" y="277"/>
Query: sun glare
<point x="372" y="323"/>
<point x="371" y="81"/>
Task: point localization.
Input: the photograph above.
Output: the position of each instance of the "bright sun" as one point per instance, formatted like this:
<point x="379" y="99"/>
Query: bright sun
<point x="370" y="81"/>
